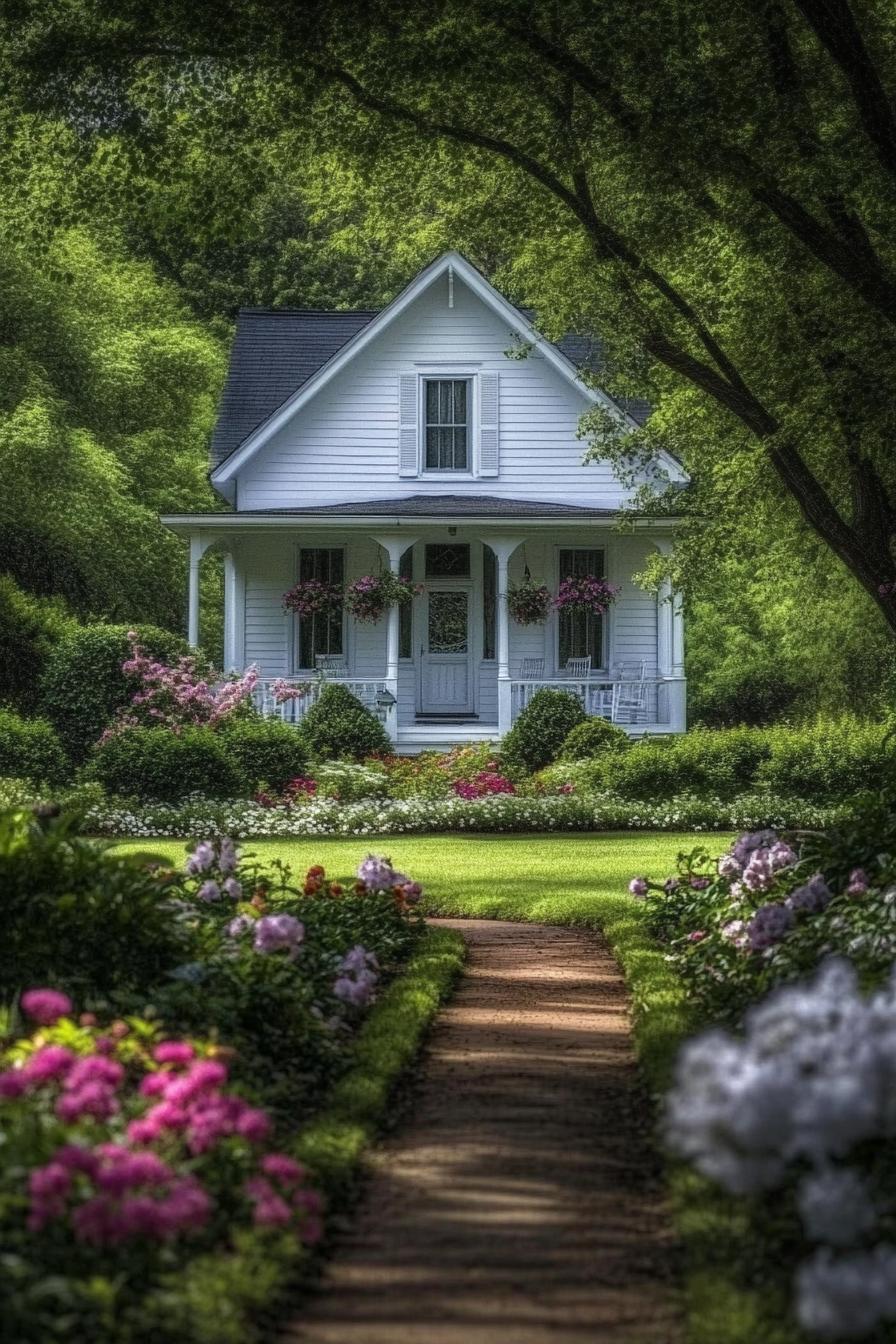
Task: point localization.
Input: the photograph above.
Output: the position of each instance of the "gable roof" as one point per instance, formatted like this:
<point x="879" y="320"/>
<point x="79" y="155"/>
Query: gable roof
<point x="326" y="342"/>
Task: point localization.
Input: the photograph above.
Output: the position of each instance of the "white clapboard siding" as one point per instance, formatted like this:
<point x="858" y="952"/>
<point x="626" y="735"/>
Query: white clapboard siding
<point x="351" y="441"/>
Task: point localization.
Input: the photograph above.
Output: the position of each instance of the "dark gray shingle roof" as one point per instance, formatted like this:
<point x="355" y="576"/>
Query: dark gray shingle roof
<point x="449" y="506"/>
<point x="276" y="350"/>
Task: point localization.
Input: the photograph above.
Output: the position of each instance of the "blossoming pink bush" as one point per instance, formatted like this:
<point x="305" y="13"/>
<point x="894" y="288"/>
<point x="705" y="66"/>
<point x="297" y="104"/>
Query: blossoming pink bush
<point x="483" y="784"/>
<point x="176" y="697"/>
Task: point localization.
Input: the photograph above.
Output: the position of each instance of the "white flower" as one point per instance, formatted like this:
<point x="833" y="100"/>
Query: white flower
<point x="846" y="1297"/>
<point x="835" y="1206"/>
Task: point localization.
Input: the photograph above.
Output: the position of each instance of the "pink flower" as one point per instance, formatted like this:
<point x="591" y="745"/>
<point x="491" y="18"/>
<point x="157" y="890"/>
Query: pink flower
<point x="696" y="936"/>
<point x="283" y="1167"/>
<point x="93" y="1099"/>
<point x="253" y="1125"/>
<point x="13" y="1083"/>
<point x="46" y="1006"/>
<point x="50" y="1063"/>
<point x="94" y="1069"/>
<point x="173" y="1052"/>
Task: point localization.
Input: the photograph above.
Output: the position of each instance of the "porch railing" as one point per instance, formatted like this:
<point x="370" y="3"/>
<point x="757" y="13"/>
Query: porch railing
<point x="290" y="698"/>
<point x="653" y="701"/>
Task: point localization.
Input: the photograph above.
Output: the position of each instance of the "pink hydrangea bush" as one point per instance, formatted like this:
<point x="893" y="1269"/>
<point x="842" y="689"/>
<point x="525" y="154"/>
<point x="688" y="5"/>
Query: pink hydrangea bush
<point x="176" y="696"/>
<point x="483" y="785"/>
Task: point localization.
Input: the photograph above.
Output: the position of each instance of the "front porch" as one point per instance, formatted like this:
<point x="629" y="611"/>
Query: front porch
<point x="452" y="666"/>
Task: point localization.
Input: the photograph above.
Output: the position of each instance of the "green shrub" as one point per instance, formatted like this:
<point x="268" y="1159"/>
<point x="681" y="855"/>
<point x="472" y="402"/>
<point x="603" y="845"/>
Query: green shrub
<point x="593" y="738"/>
<point x="78" y="916"/>
<point x="30" y="749"/>
<point x="83" y="685"/>
<point x="30" y="627"/>
<point x="721" y="763"/>
<point x="829" y="759"/>
<point x="339" y="727"/>
<point x="350" y="782"/>
<point x="538" y="735"/>
<point x="264" y="751"/>
<point x="159" y="764"/>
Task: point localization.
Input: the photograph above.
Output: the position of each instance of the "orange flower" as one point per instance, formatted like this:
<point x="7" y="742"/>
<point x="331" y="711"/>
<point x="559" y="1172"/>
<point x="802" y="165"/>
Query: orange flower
<point x="336" y="889"/>
<point x="316" y="871"/>
<point x="312" y="886"/>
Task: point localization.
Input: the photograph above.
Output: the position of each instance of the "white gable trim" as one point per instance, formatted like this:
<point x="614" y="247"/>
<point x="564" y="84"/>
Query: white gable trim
<point x="450" y="263"/>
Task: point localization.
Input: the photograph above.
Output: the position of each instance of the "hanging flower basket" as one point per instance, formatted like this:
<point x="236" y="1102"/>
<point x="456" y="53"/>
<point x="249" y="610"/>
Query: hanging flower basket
<point x="583" y="592"/>
<point x="313" y="597"/>
<point x="528" y="602"/>
<point x="370" y="597"/>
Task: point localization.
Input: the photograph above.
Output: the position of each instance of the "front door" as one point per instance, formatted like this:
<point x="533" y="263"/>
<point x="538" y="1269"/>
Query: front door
<point x="447" y="683"/>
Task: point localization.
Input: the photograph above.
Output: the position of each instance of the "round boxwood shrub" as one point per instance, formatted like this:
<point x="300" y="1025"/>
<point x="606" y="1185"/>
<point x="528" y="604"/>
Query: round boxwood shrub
<point x="593" y="738"/>
<point x="159" y="764"/>
<point x="29" y="628"/>
<point x="30" y="749"/>
<point x="537" y="736"/>
<point x="339" y="727"/>
<point x="83" y="685"/>
<point x="264" y="751"/>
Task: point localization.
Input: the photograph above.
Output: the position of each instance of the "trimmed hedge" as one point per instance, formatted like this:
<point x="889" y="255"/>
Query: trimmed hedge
<point x="535" y="740"/>
<point x="83" y="685"/>
<point x="339" y="727"/>
<point x="30" y="628"/>
<point x="593" y="738"/>
<point x="30" y="749"/>
<point x="159" y="764"/>
<point x="264" y="751"/>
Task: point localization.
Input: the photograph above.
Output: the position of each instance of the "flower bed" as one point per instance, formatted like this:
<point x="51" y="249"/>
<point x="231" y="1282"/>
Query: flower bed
<point x="498" y="812"/>
<point x="149" y="1187"/>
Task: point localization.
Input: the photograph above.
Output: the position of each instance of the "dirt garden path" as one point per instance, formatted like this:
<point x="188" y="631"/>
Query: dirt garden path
<point x="517" y="1202"/>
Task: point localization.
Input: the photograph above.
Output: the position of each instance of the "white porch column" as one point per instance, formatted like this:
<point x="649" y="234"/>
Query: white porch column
<point x="198" y="547"/>
<point x="664" y="629"/>
<point x="395" y="547"/>
<point x="503" y="548"/>
<point x="671" y="697"/>
<point x="232" y="657"/>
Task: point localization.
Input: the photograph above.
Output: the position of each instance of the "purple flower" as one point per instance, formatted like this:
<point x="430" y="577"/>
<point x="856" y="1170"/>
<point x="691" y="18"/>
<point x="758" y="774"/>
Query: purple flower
<point x="227" y="855"/>
<point x="201" y="859"/>
<point x="359" y="959"/>
<point x="209" y="891"/>
<point x="242" y="924"/>
<point x="638" y="886"/>
<point x="671" y="884"/>
<point x="274" y="933"/>
<point x="735" y="931"/>
<point x="358" y="990"/>
<point x="744" y="846"/>
<point x="699" y="883"/>
<point x="759" y="874"/>
<point x="781" y="855"/>
<point x="377" y="874"/>
<point x="232" y="888"/>
<point x="728" y="866"/>
<point x="46" y="1006"/>
<point x="769" y="925"/>
<point x="812" y="897"/>
<point x="859" y="882"/>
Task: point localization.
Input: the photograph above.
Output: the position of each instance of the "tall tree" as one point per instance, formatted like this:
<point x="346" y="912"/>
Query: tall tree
<point x="711" y="188"/>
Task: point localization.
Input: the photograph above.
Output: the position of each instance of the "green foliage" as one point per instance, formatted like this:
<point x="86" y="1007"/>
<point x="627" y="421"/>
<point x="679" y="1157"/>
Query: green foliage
<point x="829" y="759"/>
<point x="338" y="726"/>
<point x="160" y="764"/>
<point x="593" y="738"/>
<point x="265" y="751"/>
<point x="78" y="917"/>
<point x="537" y="737"/>
<point x="30" y="749"/>
<point x="721" y="764"/>
<point x="30" y="627"/>
<point x="83" y="683"/>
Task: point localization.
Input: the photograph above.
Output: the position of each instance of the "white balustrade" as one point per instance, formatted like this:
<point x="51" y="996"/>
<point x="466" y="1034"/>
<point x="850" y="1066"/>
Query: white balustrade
<point x="644" y="704"/>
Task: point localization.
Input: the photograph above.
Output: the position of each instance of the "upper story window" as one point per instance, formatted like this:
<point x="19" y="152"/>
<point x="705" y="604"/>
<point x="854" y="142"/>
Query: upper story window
<point x="446" y="424"/>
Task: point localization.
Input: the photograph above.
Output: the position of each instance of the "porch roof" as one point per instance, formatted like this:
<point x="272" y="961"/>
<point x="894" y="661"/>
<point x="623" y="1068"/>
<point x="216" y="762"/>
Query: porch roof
<point x="435" y="508"/>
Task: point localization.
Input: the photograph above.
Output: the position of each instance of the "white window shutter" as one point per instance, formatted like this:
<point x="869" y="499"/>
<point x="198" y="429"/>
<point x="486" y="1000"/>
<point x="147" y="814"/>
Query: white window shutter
<point x="408" y="425"/>
<point x="489" y="435"/>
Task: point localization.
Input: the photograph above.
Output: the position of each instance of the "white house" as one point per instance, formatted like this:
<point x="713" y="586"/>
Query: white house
<point x="351" y="442"/>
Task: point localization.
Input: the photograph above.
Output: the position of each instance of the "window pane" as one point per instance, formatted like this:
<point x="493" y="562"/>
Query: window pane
<point x="460" y="450"/>
<point x="432" y="403"/>
<point x="579" y="633"/>
<point x="447" y="631"/>
<point x="432" y="448"/>
<point x="460" y="403"/>
<point x="405" y="611"/>
<point x="489" y="601"/>
<point x="448" y="561"/>
<point x="321" y="633"/>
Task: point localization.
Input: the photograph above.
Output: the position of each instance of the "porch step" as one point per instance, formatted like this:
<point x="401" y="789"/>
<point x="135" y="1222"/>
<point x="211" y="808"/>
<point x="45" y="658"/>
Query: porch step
<point x="446" y="718"/>
<point x="443" y="735"/>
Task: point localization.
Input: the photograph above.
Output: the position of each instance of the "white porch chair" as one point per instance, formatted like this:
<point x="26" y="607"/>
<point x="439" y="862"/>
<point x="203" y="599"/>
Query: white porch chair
<point x="578" y="668"/>
<point x="331" y="665"/>
<point x="532" y="669"/>
<point x="630" y="692"/>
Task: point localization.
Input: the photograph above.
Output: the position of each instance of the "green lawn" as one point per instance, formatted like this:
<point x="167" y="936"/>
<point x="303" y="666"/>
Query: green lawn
<point x="562" y="879"/>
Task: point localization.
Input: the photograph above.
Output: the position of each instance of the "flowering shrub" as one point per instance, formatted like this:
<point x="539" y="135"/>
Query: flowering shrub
<point x="529" y="603"/>
<point x="804" y="1103"/>
<point x="769" y="910"/>
<point x="312" y="597"/>
<point x="584" y="592"/>
<point x="371" y="596"/>
<point x="119" y="1144"/>
<point x="177" y="696"/>
<point x="481" y="785"/>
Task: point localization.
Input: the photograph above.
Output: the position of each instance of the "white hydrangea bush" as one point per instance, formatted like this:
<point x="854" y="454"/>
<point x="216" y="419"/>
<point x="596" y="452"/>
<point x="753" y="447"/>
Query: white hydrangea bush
<point x="805" y="1099"/>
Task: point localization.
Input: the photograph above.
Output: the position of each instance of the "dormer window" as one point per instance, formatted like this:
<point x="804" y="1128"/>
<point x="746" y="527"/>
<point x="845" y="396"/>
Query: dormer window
<point x="446" y="426"/>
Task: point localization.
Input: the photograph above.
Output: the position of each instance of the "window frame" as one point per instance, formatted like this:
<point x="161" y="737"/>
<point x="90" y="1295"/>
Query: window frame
<point x="602" y="667"/>
<point x="298" y="666"/>
<point x="445" y="374"/>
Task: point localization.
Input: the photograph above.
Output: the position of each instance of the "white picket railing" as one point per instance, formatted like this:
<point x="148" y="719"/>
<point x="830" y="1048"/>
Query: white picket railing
<point x="293" y="708"/>
<point x="626" y="702"/>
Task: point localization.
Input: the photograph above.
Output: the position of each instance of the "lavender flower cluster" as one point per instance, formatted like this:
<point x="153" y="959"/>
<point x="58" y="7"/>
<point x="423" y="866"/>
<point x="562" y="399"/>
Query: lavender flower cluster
<point x="811" y="1079"/>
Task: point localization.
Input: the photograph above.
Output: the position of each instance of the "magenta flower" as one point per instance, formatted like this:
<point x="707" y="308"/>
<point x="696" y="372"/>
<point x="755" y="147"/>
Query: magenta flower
<point x="173" y="1052"/>
<point x="47" y="1065"/>
<point x="46" y="1006"/>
